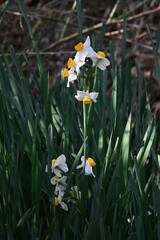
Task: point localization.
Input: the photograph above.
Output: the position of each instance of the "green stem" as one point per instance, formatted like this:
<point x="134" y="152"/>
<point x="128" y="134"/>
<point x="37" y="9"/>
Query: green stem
<point x="84" y="129"/>
<point x="95" y="79"/>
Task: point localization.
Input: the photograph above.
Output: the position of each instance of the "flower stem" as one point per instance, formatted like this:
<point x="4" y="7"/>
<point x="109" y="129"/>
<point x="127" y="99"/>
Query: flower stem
<point x="95" y="79"/>
<point x="84" y="128"/>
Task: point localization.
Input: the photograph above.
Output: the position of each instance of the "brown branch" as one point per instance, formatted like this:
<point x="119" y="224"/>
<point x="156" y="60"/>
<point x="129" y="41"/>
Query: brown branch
<point x="99" y="25"/>
<point x="95" y="27"/>
<point x="155" y="10"/>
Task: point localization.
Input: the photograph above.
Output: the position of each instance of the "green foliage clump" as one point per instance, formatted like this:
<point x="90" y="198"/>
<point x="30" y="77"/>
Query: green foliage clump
<point x="122" y="201"/>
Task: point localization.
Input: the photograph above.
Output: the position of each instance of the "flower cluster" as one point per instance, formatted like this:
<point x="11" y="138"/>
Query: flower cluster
<point x="84" y="51"/>
<point x="58" y="167"/>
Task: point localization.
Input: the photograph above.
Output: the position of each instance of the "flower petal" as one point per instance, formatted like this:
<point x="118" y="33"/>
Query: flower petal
<point x="80" y="95"/>
<point x="103" y="64"/>
<point x="94" y="96"/>
<point x="61" y="158"/>
<point x="87" y="42"/>
<point x="57" y="172"/>
<point x="64" y="206"/>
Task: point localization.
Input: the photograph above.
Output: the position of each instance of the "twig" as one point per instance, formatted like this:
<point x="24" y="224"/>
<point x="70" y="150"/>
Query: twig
<point x="114" y="33"/>
<point x="30" y="53"/>
<point x="140" y="45"/>
<point x="99" y="25"/>
<point x="139" y="15"/>
<point x="37" y="16"/>
<point x="113" y="11"/>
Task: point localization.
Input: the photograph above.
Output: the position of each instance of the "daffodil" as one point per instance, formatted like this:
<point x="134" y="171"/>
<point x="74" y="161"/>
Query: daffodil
<point x="75" y="64"/>
<point x="73" y="70"/>
<point x="58" y="165"/>
<point x="58" y="201"/>
<point x="70" y="74"/>
<point x="87" y="165"/>
<point x="84" y="50"/>
<point x="99" y="59"/>
<point x="59" y="182"/>
<point x="86" y="97"/>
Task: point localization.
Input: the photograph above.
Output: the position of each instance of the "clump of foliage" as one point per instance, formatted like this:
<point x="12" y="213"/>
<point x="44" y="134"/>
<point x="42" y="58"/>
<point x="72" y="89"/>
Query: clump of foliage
<point x="119" y="198"/>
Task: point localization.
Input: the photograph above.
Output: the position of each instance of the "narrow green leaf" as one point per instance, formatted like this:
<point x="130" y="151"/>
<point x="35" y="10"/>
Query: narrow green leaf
<point x="125" y="148"/>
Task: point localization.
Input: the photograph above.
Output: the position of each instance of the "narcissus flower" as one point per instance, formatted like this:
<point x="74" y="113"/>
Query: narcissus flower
<point x="75" y="65"/>
<point x="60" y="183"/>
<point x="87" y="165"/>
<point x="70" y="74"/>
<point x="58" y="201"/>
<point x="58" y="165"/>
<point x="73" y="70"/>
<point x="86" y="97"/>
<point x="99" y="59"/>
<point x="84" y="50"/>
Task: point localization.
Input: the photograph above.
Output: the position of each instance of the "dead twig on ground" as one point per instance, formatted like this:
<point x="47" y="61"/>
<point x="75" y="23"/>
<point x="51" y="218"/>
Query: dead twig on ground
<point x="99" y="25"/>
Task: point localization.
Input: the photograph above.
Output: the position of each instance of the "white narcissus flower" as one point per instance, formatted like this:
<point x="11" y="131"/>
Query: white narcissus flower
<point x="58" y="200"/>
<point x="74" y="69"/>
<point x="58" y="165"/>
<point x="99" y="59"/>
<point x="84" y="50"/>
<point x="86" y="97"/>
<point x="70" y="74"/>
<point x="60" y="183"/>
<point x="75" y="65"/>
<point x="87" y="165"/>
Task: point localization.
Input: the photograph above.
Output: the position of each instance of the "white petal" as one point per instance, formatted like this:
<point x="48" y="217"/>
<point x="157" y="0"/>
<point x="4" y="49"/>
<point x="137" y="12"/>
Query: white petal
<point x="94" y="96"/>
<point x="56" y="192"/>
<point x="61" y="161"/>
<point x="80" y="166"/>
<point x="57" y="172"/>
<point x="83" y="160"/>
<point x="103" y="64"/>
<point x="46" y="169"/>
<point x="91" y="52"/>
<point x="53" y="182"/>
<point x="72" y="76"/>
<point x="81" y="55"/>
<point x="94" y="60"/>
<point x="64" y="206"/>
<point x="60" y="186"/>
<point x="77" y="57"/>
<point x="61" y="158"/>
<point x="88" y="170"/>
<point x="106" y="62"/>
<point x="87" y="42"/>
<point x="78" y="65"/>
<point x="64" y="167"/>
<point x="80" y="95"/>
